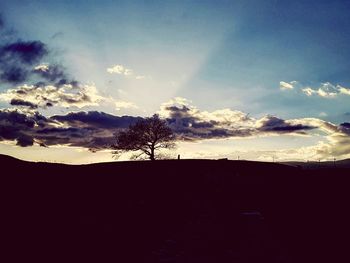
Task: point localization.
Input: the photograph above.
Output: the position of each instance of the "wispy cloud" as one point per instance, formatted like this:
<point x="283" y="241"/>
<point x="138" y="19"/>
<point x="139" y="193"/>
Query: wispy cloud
<point x="286" y="85"/>
<point x="324" y="90"/>
<point x="124" y="71"/>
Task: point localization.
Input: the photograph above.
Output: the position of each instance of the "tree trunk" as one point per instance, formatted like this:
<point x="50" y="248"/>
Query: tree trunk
<point x="152" y="154"/>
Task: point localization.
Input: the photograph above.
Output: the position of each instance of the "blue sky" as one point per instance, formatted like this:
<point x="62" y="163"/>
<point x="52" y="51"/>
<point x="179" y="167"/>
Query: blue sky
<point x="216" y="54"/>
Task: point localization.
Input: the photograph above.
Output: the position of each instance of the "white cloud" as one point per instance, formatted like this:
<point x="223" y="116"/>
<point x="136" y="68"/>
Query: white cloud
<point x="119" y="104"/>
<point x="49" y="95"/>
<point x="343" y="90"/>
<point x="127" y="72"/>
<point x="286" y="85"/>
<point x="326" y="90"/>
<point x="42" y="67"/>
<point x="120" y="69"/>
<point x="308" y="91"/>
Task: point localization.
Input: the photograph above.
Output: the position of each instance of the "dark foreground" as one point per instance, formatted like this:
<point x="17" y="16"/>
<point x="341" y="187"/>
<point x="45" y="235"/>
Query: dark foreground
<point x="173" y="211"/>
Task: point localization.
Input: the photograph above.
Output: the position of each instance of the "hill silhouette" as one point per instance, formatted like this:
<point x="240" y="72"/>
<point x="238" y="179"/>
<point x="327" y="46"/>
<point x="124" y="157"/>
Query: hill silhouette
<point x="174" y="211"/>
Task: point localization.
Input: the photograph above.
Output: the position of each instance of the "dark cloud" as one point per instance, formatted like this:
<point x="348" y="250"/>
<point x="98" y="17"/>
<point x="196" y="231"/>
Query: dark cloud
<point x="25" y="140"/>
<point x="17" y="58"/>
<point x="39" y="85"/>
<point x="19" y="102"/>
<point x="30" y="52"/>
<point x="345" y="125"/>
<point x="54" y="74"/>
<point x="51" y="73"/>
<point x="345" y="128"/>
<point x="65" y="81"/>
<point x="18" y="126"/>
<point x="19" y="63"/>
<point x="277" y="125"/>
<point x="92" y="130"/>
<point x="96" y="119"/>
<point x="14" y="74"/>
<point x="189" y="124"/>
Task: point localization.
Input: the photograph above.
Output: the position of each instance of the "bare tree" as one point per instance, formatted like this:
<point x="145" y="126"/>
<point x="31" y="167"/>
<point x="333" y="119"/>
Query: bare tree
<point x="146" y="136"/>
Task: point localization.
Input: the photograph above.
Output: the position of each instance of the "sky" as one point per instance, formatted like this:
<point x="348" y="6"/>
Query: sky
<point x="256" y="80"/>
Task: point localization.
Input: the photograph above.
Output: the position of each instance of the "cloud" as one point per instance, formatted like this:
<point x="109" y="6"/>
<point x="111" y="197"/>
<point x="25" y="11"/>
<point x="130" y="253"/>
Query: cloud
<point x="21" y="62"/>
<point x="29" y="52"/>
<point x="343" y="90"/>
<point x="190" y="123"/>
<point x="20" y="102"/>
<point x="276" y="125"/>
<point x="338" y="142"/>
<point x="127" y="72"/>
<point x="119" y="104"/>
<point x="286" y="85"/>
<point x="345" y="125"/>
<point x="54" y="74"/>
<point x="14" y="75"/>
<point x="324" y="90"/>
<point x="96" y="130"/>
<point x="16" y="125"/>
<point x="95" y="119"/>
<point x="120" y="69"/>
<point x="46" y="96"/>
<point x="308" y="91"/>
<point x="17" y="58"/>
<point x="92" y="130"/>
<point x="42" y="68"/>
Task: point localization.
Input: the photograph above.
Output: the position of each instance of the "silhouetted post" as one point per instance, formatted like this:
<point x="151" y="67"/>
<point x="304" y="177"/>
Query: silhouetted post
<point x="178" y="156"/>
<point x="334" y="162"/>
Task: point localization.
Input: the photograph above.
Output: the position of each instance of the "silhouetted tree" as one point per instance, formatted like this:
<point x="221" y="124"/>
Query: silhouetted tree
<point x="145" y="136"/>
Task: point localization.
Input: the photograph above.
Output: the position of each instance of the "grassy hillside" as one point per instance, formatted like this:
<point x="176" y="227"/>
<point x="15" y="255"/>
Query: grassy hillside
<point x="174" y="211"/>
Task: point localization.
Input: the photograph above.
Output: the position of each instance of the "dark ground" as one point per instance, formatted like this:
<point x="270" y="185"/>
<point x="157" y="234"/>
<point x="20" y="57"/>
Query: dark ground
<point x="173" y="211"/>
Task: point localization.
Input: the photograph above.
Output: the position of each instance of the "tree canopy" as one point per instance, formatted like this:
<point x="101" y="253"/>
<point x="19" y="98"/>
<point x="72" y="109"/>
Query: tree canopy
<point x="146" y="136"/>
